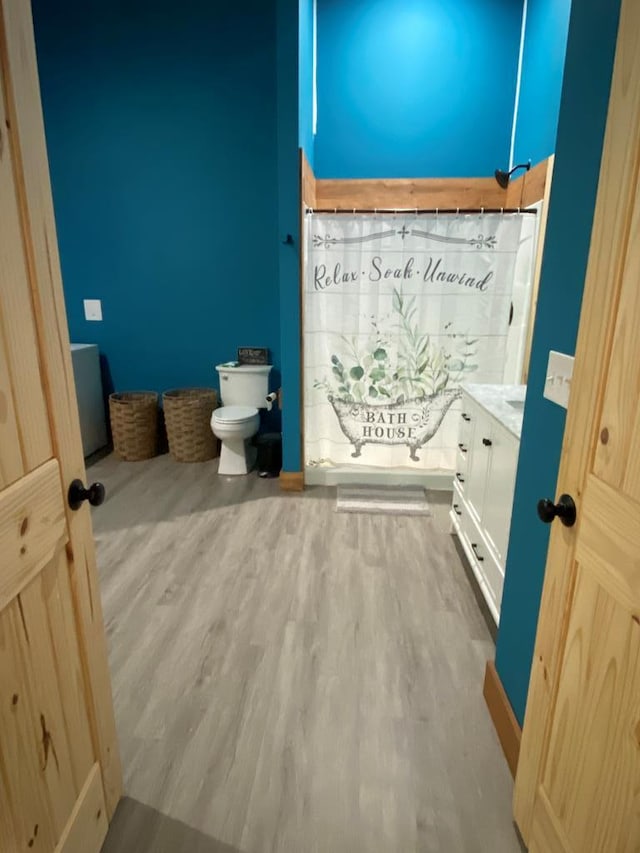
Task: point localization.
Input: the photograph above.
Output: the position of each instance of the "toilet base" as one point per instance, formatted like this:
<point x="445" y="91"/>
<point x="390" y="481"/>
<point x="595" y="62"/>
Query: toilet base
<point x="237" y="456"/>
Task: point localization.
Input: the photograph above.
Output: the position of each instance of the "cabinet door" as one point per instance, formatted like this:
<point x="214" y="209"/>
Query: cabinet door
<point x="498" y="498"/>
<point x="477" y="464"/>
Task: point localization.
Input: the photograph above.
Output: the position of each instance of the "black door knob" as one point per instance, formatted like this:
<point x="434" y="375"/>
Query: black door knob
<point x="95" y="494"/>
<point x="565" y="510"/>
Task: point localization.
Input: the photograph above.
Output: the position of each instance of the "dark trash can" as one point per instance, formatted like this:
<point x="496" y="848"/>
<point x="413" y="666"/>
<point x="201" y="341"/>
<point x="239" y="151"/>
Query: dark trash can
<point x="269" y="446"/>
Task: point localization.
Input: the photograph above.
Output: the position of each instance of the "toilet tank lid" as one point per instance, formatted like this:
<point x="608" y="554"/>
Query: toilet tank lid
<point x="243" y="368"/>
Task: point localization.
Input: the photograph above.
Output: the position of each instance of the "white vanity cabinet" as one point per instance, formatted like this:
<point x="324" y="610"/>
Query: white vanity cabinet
<point x="484" y="482"/>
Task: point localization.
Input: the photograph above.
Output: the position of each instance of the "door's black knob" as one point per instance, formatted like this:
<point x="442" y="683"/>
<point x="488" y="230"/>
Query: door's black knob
<point x="95" y="494"/>
<point x="565" y="510"/>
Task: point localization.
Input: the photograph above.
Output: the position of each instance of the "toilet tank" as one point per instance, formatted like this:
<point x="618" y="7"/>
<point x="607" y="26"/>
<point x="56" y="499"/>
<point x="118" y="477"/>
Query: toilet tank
<point x="244" y="384"/>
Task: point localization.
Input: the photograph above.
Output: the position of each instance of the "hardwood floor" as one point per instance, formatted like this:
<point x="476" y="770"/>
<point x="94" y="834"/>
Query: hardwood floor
<point x="291" y="679"/>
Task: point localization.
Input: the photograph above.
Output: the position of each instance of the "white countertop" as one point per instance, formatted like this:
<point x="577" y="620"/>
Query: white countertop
<point x="495" y="400"/>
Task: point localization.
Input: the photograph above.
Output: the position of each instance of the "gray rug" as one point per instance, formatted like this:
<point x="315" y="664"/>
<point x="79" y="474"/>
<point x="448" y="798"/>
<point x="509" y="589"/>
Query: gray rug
<point x="383" y="500"/>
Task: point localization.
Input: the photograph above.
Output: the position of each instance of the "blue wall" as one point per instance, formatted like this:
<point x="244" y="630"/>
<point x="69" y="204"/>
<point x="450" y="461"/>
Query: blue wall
<point x="415" y="88"/>
<point x="162" y="135"/>
<point x="541" y="84"/>
<point x="305" y="91"/>
<point x="585" y="96"/>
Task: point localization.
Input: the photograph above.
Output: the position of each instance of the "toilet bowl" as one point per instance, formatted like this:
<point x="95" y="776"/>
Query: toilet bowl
<point x="235" y="426"/>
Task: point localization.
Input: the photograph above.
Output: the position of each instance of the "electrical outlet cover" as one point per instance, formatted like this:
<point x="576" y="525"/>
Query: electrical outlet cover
<point x="93" y="309"/>
<point x="559" y="376"/>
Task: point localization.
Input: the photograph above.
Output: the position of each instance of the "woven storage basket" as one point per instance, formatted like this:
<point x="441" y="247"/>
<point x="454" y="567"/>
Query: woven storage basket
<point x="134" y="424"/>
<point x="187" y="414"/>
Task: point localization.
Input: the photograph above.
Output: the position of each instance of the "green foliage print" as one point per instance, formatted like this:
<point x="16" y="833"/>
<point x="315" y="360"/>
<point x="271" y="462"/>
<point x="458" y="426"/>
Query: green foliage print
<point x="413" y="368"/>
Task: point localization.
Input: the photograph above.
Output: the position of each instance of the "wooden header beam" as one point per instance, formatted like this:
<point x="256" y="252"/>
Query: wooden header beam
<point x="423" y="193"/>
<point x="307" y="182"/>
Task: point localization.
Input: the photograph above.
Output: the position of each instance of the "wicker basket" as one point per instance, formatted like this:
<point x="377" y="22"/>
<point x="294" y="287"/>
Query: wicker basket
<point x="134" y="424"/>
<point x="187" y="414"/>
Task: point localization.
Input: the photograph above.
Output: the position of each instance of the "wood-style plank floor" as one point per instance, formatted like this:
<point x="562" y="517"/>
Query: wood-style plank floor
<point x="291" y="679"/>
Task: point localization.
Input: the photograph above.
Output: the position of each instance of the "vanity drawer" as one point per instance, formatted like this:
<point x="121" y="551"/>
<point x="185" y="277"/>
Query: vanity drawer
<point x="462" y="457"/>
<point x="465" y="522"/>
<point x="467" y="422"/>
<point x="485" y="567"/>
<point x="460" y="478"/>
<point x="490" y="572"/>
<point x="468" y="418"/>
<point x="458" y="507"/>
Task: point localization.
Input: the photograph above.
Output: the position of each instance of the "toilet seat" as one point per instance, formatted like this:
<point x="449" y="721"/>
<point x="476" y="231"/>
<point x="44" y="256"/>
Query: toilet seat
<point x="234" y="414"/>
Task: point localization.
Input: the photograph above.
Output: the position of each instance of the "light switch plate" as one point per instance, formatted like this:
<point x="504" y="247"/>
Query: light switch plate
<point x="92" y="309"/>
<point x="559" y="376"/>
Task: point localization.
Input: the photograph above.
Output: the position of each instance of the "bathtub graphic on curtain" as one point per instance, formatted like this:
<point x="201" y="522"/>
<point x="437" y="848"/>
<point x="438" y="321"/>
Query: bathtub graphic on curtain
<point x="386" y="394"/>
<point x="399" y="311"/>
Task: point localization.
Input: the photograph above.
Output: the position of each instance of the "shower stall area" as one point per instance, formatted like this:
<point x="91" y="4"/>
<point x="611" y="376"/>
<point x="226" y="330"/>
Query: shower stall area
<point x="400" y="309"/>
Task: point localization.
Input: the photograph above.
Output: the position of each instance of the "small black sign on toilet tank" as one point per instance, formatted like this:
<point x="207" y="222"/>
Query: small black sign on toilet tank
<point x="253" y="355"/>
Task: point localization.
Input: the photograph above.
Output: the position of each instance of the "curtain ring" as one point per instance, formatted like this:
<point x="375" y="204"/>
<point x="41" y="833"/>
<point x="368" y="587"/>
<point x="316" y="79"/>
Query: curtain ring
<point x="482" y="211"/>
<point x="457" y="211"/>
<point x="354" y="211"/>
<point x="502" y="211"/>
<point x="437" y="212"/>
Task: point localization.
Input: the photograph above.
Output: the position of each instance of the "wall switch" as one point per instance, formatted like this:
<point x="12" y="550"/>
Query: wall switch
<point x="559" y="376"/>
<point x="92" y="309"/>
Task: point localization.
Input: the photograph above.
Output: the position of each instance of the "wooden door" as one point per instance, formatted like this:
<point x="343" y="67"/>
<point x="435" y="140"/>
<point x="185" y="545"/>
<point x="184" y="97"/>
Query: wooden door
<point x="578" y="779"/>
<point x="60" y="777"/>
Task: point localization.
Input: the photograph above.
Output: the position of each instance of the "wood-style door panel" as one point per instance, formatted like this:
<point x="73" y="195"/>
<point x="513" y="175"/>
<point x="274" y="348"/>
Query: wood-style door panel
<point x="60" y="774"/>
<point x="578" y="780"/>
<point x="25" y="439"/>
<point x="592" y="778"/>
<point x="46" y="754"/>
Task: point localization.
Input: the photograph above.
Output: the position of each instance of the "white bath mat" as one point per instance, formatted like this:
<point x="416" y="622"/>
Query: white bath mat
<point x="383" y="500"/>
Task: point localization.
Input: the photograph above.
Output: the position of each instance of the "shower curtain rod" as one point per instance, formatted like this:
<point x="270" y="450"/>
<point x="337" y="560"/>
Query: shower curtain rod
<point x="436" y="210"/>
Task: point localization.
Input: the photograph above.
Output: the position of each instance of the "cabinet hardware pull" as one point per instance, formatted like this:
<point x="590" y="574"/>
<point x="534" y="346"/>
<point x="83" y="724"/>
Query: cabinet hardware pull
<point x="456" y="509"/>
<point x="475" y="551"/>
<point x="487" y="442"/>
<point x="465" y="417"/>
<point x="460" y="478"/>
<point x="463" y="449"/>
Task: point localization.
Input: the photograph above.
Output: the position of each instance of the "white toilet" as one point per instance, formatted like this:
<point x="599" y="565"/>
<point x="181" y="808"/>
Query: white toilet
<point x="243" y="390"/>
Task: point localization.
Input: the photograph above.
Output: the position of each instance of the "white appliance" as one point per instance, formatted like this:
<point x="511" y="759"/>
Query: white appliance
<point x="243" y="390"/>
<point x="86" y="371"/>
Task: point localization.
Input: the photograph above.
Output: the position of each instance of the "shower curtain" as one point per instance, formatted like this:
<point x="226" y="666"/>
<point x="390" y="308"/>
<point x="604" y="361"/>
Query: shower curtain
<point x="399" y="310"/>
